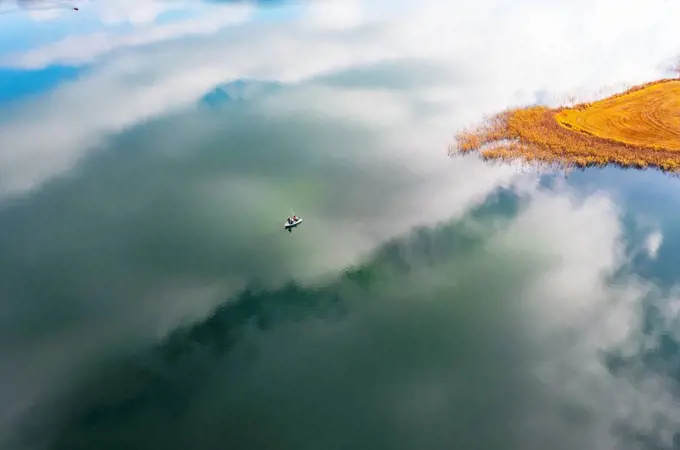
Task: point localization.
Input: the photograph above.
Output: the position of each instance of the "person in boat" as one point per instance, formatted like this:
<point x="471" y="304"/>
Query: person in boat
<point x="290" y="221"/>
<point x="295" y="218"/>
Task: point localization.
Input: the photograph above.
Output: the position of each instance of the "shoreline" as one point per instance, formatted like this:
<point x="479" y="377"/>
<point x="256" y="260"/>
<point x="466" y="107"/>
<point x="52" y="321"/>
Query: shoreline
<point x="617" y="130"/>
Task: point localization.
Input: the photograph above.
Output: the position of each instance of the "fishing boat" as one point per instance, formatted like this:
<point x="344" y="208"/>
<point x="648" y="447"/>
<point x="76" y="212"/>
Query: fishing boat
<point x="292" y="223"/>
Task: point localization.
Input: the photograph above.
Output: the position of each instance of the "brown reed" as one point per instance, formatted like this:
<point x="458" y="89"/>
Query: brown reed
<point x="638" y="128"/>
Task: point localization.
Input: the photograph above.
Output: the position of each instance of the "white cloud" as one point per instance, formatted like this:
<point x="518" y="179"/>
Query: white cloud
<point x="136" y="12"/>
<point x="45" y="15"/>
<point x="573" y="312"/>
<point x="335" y="14"/>
<point x="653" y="243"/>
<point x="578" y="244"/>
<point x="82" y="49"/>
<point x="502" y="54"/>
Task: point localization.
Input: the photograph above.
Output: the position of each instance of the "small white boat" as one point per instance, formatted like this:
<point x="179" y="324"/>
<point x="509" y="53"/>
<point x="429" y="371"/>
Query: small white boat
<point x="293" y="224"/>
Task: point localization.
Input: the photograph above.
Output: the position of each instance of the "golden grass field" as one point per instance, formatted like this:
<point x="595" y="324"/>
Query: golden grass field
<point x="637" y="128"/>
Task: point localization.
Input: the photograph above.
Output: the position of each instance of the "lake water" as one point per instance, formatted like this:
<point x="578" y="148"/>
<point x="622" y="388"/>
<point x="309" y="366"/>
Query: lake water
<point x="151" y="299"/>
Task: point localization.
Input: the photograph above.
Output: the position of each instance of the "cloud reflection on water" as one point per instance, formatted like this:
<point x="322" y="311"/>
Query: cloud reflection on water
<point x="520" y="60"/>
<point x="132" y="211"/>
<point x="497" y="322"/>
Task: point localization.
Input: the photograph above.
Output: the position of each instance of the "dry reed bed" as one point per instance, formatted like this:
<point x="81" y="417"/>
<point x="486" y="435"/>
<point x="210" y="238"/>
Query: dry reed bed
<point x="637" y="128"/>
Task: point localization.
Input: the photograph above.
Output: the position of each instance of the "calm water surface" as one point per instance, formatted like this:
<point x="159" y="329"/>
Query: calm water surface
<point x="151" y="299"/>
